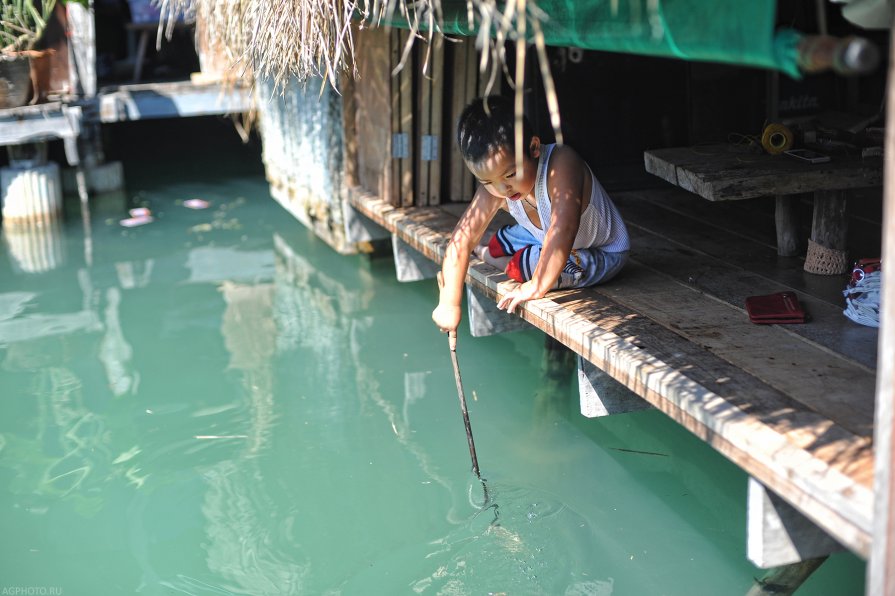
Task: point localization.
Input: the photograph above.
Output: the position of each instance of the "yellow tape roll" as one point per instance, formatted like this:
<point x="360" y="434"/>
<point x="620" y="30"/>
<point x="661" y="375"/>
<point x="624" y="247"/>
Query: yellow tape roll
<point x="776" y="138"/>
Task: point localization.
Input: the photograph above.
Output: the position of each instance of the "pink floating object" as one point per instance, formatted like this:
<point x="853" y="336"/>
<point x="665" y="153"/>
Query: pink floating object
<point x="133" y="222"/>
<point x="140" y="212"/>
<point x="196" y="203"/>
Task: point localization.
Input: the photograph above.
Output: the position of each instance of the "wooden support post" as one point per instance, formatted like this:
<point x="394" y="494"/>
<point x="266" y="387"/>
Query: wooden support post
<point x="778" y="534"/>
<point x="359" y="228"/>
<point x="82" y="49"/>
<point x="601" y="395"/>
<point x="829" y="230"/>
<point x="881" y="570"/>
<point x="829" y="227"/>
<point x="486" y="319"/>
<point x="784" y="581"/>
<point x="786" y="217"/>
<point x="410" y="264"/>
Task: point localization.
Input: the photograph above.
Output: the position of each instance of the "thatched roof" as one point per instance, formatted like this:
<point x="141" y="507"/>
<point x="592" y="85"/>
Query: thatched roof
<point x="308" y="39"/>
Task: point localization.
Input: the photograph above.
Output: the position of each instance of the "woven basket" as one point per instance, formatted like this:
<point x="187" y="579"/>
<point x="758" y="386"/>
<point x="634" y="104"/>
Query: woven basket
<point x="825" y="261"/>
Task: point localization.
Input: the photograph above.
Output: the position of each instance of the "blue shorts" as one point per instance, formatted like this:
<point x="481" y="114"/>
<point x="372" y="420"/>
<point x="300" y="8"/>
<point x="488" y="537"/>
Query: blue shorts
<point x="585" y="267"/>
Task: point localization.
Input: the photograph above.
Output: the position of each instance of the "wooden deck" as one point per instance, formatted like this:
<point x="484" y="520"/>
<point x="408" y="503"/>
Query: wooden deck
<point x="791" y="405"/>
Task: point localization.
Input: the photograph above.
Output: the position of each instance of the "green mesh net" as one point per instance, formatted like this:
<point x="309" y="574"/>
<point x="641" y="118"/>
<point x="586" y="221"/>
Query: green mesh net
<point x="733" y="31"/>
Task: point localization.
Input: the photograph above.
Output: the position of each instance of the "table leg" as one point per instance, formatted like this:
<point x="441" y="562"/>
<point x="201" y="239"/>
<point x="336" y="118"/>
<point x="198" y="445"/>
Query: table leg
<point x="786" y="217"/>
<point x="829" y="227"/>
<point x="141" y="55"/>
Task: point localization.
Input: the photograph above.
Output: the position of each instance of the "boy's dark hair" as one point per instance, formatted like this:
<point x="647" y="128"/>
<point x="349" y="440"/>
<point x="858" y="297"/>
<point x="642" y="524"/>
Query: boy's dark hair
<point x="486" y="125"/>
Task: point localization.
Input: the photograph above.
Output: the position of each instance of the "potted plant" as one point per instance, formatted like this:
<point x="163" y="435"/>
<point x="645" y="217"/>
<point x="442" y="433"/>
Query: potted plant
<point x="22" y="22"/>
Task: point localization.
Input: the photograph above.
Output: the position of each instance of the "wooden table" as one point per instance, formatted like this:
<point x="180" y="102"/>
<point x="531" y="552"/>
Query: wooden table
<point x="731" y="172"/>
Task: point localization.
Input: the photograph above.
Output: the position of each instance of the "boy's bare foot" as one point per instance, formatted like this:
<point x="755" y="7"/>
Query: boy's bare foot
<point x="482" y="252"/>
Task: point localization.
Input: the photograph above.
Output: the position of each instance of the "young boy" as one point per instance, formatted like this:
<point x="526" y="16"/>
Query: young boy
<point x="568" y="232"/>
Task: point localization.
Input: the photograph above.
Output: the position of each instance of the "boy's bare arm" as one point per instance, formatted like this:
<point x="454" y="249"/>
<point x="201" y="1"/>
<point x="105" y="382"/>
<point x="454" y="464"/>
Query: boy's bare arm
<point x="466" y="235"/>
<point x="565" y="186"/>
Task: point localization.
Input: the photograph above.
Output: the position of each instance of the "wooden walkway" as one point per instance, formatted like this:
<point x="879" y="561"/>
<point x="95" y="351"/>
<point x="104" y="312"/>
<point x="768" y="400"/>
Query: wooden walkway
<point x="791" y="405"/>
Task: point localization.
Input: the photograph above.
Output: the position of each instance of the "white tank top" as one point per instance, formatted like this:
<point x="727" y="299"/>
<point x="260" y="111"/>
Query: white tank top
<point x="601" y="224"/>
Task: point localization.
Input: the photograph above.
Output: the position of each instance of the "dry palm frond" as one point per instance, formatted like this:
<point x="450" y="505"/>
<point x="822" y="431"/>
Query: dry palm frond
<point x="306" y="39"/>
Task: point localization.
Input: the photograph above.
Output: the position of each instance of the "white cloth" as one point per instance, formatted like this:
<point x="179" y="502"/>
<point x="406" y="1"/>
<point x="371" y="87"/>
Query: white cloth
<point x="862" y="300"/>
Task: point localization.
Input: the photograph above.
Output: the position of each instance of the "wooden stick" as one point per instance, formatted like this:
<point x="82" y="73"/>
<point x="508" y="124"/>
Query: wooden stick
<point x="452" y="343"/>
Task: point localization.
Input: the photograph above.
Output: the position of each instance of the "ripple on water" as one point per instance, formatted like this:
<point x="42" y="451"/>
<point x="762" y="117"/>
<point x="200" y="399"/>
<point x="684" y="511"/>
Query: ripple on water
<point x="534" y="545"/>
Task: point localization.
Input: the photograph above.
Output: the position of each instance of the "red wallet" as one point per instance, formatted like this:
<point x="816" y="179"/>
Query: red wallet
<point x="782" y="307"/>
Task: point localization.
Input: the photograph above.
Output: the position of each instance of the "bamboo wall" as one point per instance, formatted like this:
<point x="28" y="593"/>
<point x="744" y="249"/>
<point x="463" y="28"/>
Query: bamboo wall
<point x="402" y="133"/>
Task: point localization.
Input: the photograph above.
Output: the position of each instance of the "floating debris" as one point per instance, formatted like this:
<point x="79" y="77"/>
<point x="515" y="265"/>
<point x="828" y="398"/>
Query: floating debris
<point x="133" y="222"/>
<point x="196" y="204"/>
<point x="640" y="452"/>
<point x="139" y="216"/>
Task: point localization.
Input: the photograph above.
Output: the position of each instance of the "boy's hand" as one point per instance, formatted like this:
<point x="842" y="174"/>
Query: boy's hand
<point x="447" y="318"/>
<point x="525" y="291"/>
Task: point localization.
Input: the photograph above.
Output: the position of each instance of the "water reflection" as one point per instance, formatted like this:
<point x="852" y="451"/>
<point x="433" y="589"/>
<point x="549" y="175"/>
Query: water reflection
<point x="251" y="413"/>
<point x="35" y="247"/>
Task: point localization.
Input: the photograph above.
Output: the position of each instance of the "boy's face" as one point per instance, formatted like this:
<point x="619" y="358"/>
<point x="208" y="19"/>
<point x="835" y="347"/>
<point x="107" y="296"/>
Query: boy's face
<point x="497" y="172"/>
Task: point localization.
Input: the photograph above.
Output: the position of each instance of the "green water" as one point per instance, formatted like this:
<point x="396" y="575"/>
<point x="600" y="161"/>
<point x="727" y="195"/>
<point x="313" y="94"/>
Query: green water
<point x="219" y="404"/>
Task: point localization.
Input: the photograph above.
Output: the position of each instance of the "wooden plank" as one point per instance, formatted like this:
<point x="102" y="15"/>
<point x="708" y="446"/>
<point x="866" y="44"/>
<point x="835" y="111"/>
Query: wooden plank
<point x="829" y="384"/>
<point x="749" y="218"/>
<point x="82" y="39"/>
<point x="472" y="91"/>
<point x="435" y="121"/>
<point x="827" y="326"/>
<point x="458" y="55"/>
<point x="27" y="123"/>
<point x="424" y="126"/>
<point x="408" y="169"/>
<point x="172" y="100"/>
<point x="732" y="172"/>
<point x="778" y="535"/>
<point x="374" y="110"/>
<point x="698" y="236"/>
<point x="881" y="570"/>
<point x="396" y="145"/>
<point x="808" y="459"/>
